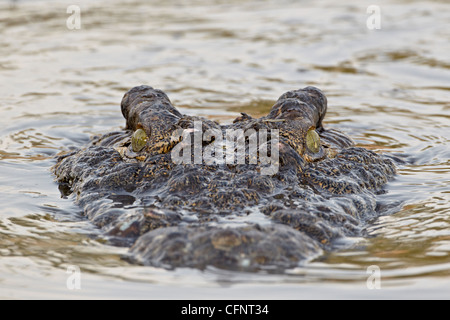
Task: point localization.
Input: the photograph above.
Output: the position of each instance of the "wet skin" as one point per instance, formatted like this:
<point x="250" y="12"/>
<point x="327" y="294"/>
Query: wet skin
<point x="226" y="215"/>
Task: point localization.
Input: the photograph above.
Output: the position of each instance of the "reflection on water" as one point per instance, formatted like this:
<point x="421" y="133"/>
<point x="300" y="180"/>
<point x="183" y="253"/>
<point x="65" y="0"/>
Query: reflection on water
<point x="387" y="88"/>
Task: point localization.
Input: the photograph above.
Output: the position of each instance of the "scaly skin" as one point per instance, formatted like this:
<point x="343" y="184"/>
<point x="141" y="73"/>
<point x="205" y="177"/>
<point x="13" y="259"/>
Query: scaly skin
<point x="225" y="215"/>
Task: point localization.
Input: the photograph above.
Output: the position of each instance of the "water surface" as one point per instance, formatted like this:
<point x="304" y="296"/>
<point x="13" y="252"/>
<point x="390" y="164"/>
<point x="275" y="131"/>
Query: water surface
<point x="389" y="89"/>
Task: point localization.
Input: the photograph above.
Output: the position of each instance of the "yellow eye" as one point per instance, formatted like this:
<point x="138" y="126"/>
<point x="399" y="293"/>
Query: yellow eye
<point x="139" y="140"/>
<point x="313" y="141"/>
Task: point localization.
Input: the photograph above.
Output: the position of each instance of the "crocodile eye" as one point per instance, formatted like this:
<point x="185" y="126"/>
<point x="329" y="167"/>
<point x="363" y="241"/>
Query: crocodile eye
<point x="139" y="140"/>
<point x="313" y="141"/>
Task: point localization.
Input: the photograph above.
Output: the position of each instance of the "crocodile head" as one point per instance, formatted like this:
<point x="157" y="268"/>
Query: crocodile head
<point x="266" y="193"/>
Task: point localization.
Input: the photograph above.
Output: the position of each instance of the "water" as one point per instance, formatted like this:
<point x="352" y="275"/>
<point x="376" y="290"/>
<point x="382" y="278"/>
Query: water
<point x="389" y="89"/>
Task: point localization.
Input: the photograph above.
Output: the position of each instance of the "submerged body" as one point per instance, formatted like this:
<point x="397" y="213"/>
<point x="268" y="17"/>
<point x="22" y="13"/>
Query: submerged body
<point x="167" y="187"/>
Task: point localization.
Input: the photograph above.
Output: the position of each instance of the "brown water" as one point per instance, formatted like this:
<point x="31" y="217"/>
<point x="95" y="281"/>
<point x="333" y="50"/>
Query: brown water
<point x="387" y="88"/>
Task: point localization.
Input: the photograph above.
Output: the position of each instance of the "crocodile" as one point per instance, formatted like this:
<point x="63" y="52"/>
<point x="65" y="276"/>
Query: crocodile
<point x="282" y="191"/>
